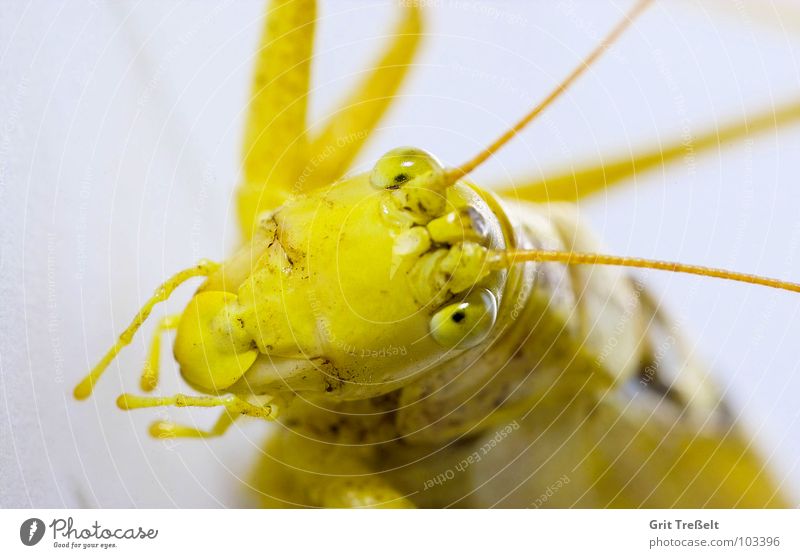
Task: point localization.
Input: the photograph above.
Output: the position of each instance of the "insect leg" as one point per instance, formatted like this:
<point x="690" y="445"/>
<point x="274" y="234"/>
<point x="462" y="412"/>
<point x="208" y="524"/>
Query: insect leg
<point x="232" y="403"/>
<point x="346" y="131"/>
<point x="152" y="365"/>
<point x="583" y="180"/>
<point x="275" y="142"/>
<point x="167" y="429"/>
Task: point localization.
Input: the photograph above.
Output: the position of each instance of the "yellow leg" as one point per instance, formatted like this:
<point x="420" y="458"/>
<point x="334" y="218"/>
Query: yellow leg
<point x="167" y="429"/>
<point x="150" y="374"/>
<point x="345" y="132"/>
<point x="234" y="405"/>
<point x="275" y="142"/>
<point x="279" y="159"/>
<point x="586" y="179"/>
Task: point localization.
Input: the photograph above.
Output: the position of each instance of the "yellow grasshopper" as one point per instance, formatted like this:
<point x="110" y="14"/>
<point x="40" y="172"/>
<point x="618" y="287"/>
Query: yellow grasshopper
<point x="425" y="342"/>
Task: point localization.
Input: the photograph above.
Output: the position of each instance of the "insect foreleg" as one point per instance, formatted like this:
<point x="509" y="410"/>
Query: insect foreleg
<point x="235" y="407"/>
<point x="232" y="403"/>
<point x="150" y="373"/>
<point x="167" y="429"/>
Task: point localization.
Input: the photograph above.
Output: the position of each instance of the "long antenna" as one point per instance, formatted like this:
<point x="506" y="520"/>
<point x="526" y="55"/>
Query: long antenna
<point x="505" y="259"/>
<point x="456" y="173"/>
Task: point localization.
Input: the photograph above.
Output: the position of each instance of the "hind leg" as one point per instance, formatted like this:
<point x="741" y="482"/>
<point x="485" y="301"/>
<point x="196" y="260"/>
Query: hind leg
<point x="280" y="157"/>
<point x="589" y="178"/>
<point x="275" y="141"/>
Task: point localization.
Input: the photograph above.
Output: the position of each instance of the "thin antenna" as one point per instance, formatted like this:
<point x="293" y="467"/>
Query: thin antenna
<point x="454" y="174"/>
<point x="505" y="259"/>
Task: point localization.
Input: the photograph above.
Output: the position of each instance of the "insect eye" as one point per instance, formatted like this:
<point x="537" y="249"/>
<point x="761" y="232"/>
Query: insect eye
<point x="400" y="165"/>
<point x="465" y="324"/>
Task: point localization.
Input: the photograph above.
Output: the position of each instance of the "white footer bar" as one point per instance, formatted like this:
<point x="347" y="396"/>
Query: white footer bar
<point x="379" y="533"/>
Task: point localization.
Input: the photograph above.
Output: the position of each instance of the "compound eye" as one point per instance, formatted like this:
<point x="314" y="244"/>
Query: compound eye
<point x="400" y="165"/>
<point x="464" y="324"/>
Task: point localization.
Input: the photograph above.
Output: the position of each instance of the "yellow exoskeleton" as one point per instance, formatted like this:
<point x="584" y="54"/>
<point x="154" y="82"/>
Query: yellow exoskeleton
<point x="424" y="342"/>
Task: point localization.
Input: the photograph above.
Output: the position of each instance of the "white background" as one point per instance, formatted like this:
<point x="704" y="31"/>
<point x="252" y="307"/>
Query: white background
<point x="120" y="126"/>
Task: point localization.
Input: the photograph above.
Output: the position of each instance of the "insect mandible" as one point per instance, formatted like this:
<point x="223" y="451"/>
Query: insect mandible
<point x="425" y="342"/>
